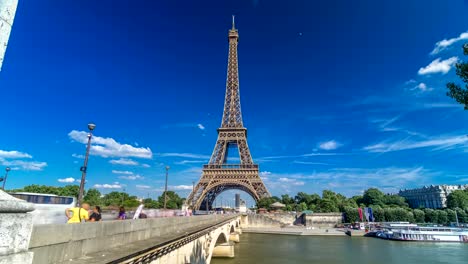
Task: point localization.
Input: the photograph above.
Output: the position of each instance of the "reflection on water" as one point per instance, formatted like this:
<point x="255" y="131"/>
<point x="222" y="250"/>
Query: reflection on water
<point x="272" y="249"/>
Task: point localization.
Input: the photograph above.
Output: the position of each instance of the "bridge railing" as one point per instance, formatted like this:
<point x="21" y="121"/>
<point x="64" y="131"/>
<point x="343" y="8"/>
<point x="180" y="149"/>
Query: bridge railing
<point x="230" y="166"/>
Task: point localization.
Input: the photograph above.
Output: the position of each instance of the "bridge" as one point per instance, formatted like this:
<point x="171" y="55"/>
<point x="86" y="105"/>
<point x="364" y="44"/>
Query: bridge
<point x="192" y="239"/>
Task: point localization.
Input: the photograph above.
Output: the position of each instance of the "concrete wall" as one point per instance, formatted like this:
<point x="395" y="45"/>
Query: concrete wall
<point x="324" y="219"/>
<point x="260" y="220"/>
<point x="58" y="242"/>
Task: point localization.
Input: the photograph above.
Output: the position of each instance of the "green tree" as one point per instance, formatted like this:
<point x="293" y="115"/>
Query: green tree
<point x="326" y="206"/>
<point x="150" y="203"/>
<point x="395" y="200"/>
<point x="431" y="216"/>
<point x="451" y="216"/>
<point x="287" y="200"/>
<point x="458" y="199"/>
<point x="115" y="198"/>
<point x="266" y="202"/>
<point x="93" y="197"/>
<point x="418" y="216"/>
<point x="442" y="217"/>
<point x="351" y="214"/>
<point x="303" y="197"/>
<point x="358" y="199"/>
<point x="373" y="196"/>
<point x="70" y="190"/>
<point x="379" y="214"/>
<point x="173" y="200"/>
<point x="456" y="91"/>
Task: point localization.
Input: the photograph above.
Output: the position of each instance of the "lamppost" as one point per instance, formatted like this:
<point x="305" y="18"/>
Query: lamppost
<point x="165" y="188"/>
<point x="7" y="169"/>
<point x="83" y="169"/>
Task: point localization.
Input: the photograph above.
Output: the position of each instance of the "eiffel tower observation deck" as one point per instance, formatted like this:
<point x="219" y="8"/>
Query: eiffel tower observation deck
<point x="218" y="175"/>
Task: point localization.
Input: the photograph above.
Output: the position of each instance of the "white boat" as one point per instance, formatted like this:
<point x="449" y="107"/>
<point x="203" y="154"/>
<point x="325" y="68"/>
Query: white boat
<point x="425" y="234"/>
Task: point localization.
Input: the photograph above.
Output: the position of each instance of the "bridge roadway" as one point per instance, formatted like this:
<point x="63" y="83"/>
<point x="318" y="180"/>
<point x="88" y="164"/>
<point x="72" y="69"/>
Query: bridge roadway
<point x="194" y="239"/>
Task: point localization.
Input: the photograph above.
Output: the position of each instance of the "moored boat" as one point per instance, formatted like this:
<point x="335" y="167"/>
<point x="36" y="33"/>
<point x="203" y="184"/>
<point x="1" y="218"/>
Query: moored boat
<point x="426" y="234"/>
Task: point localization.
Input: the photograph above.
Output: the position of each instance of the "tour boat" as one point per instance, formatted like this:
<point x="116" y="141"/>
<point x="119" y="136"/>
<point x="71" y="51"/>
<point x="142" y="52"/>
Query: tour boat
<point x="425" y="234"/>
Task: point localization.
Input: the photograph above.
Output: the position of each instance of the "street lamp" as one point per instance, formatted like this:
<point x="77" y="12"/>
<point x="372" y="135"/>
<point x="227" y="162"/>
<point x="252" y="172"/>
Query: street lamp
<point x="165" y="188"/>
<point x="7" y="169"/>
<point x="83" y="169"/>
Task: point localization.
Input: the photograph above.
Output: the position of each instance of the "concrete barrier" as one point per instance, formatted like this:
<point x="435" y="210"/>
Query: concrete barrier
<point x="59" y="242"/>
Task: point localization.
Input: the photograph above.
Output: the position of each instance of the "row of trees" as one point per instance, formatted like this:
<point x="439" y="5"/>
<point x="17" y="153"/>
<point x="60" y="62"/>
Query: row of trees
<point x="386" y="207"/>
<point x="112" y="199"/>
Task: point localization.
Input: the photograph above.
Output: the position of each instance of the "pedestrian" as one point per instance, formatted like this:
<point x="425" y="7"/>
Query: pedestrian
<point x="122" y="214"/>
<point x="96" y="215"/>
<point x="77" y="214"/>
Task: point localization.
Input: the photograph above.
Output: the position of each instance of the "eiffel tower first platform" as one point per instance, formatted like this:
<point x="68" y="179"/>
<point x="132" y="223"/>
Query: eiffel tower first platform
<point x="218" y="176"/>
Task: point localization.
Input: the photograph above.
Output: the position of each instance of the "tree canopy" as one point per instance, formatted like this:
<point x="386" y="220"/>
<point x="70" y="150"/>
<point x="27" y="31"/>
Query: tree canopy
<point x="456" y="91"/>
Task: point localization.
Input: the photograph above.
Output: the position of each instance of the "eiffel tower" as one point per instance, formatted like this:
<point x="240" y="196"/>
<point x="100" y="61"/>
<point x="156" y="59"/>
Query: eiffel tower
<point x="217" y="175"/>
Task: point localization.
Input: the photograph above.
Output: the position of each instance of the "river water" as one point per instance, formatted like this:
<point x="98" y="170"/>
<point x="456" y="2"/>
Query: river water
<point x="272" y="249"/>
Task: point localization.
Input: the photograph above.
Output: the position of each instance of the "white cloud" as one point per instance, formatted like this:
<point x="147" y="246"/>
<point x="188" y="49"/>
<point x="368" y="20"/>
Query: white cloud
<point x="422" y="87"/>
<point x="131" y="177"/>
<point x="438" y="66"/>
<point x="309" y="162"/>
<point x="184" y="155"/>
<point x="180" y="187"/>
<point x="264" y="173"/>
<point x="291" y="181"/>
<point x="436" y="143"/>
<point x="145" y="165"/>
<point x="329" y="145"/>
<point x="68" y="180"/>
<point x="115" y="185"/>
<point x="122" y="172"/>
<point x="123" y="161"/>
<point x="78" y="156"/>
<point x="445" y="43"/>
<point x="13" y="154"/>
<point x="182" y="162"/>
<point x="23" y="165"/>
<point x="143" y="186"/>
<point x="108" y="147"/>
<point x="201" y="127"/>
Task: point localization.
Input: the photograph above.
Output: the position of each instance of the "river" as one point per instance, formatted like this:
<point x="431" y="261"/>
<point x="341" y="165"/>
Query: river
<point x="272" y="249"/>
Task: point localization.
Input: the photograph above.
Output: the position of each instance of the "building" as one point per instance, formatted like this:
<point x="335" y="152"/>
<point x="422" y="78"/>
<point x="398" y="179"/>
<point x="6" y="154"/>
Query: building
<point x="433" y="196"/>
<point x="7" y="15"/>
<point x="238" y="199"/>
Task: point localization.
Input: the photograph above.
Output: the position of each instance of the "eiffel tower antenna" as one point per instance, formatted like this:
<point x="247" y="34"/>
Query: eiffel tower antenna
<point x="233" y="22"/>
<point x="218" y="175"/>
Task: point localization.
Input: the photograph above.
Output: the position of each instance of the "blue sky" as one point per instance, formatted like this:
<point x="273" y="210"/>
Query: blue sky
<point x="340" y="95"/>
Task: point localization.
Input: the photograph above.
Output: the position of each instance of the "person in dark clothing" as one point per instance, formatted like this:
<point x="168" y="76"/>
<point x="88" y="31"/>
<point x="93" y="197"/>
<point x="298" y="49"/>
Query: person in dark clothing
<point x="96" y="215"/>
<point x="122" y="214"/>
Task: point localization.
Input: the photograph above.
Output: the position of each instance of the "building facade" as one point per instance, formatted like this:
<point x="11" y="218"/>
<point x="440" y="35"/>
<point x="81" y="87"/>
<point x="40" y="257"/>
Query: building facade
<point x="433" y="196"/>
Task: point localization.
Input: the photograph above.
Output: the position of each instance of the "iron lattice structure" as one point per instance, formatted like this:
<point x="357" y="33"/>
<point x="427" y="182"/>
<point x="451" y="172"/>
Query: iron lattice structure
<point x="218" y="175"/>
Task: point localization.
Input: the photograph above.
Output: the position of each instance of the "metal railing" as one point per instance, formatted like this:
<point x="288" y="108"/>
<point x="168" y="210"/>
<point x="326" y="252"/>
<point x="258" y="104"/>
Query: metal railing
<point x="230" y="166"/>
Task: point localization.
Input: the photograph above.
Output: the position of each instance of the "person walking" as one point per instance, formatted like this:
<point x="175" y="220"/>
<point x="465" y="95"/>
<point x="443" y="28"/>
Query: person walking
<point x="96" y="215"/>
<point x="77" y="214"/>
<point x="122" y="214"/>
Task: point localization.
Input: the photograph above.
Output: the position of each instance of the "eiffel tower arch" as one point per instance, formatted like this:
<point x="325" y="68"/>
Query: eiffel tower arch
<point x="218" y="175"/>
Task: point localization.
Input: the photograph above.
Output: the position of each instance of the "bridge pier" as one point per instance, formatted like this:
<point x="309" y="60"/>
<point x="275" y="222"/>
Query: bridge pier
<point x="225" y="250"/>
<point x="234" y="237"/>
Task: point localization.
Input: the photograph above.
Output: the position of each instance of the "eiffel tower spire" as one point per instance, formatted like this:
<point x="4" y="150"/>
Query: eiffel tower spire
<point x="217" y="175"/>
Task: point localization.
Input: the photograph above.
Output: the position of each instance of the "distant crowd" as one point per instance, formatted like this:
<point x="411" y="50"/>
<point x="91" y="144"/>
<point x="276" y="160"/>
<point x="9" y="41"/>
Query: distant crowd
<point x="84" y="213"/>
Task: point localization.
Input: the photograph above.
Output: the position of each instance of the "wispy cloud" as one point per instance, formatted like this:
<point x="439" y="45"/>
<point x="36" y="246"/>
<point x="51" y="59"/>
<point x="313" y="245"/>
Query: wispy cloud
<point x="291" y="181"/>
<point x="122" y="172"/>
<point x="201" y="127"/>
<point x="109" y="147"/>
<point x="184" y="155"/>
<point x="145" y="165"/>
<point x="436" y="143"/>
<point x="180" y="187"/>
<point x="445" y="43"/>
<point x="142" y="186"/>
<point x="23" y="165"/>
<point x="438" y="66"/>
<point x="329" y="145"/>
<point x="123" y="161"/>
<point x="68" y="180"/>
<point x="131" y="177"/>
<point x="78" y="156"/>
<point x="114" y="185"/>
<point x="309" y="162"/>
<point x="422" y="87"/>
<point x="13" y="154"/>
<point x="182" y="162"/>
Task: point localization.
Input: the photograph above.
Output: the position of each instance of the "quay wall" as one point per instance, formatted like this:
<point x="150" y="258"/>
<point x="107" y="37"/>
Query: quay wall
<point x="323" y="219"/>
<point x="54" y="243"/>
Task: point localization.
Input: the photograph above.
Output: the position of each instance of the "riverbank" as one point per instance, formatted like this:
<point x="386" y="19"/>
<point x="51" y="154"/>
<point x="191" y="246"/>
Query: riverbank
<point x="298" y="231"/>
